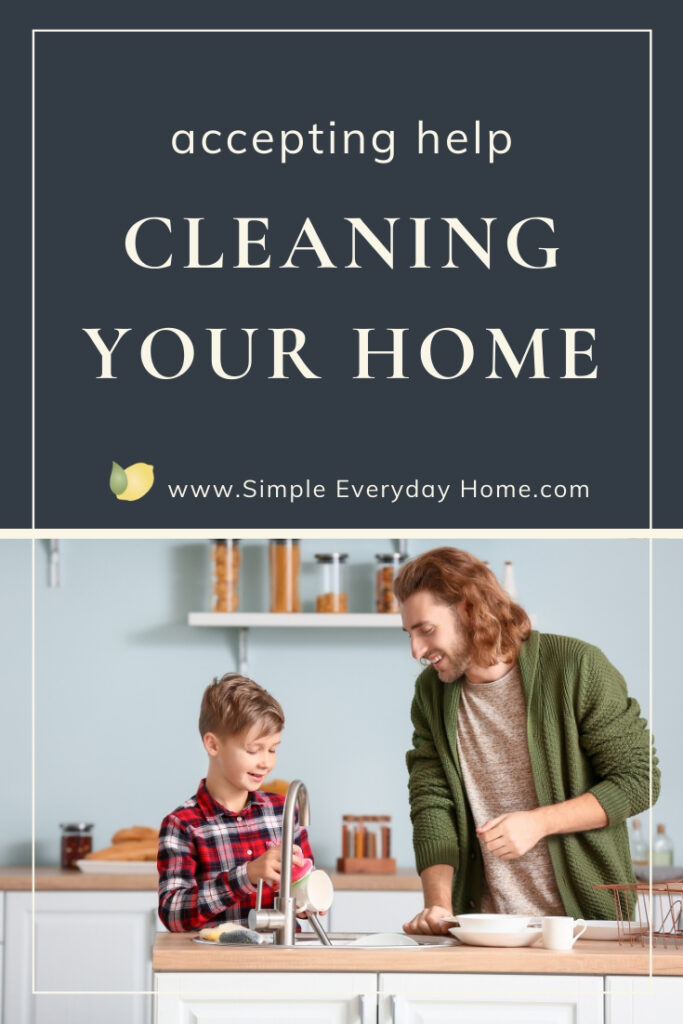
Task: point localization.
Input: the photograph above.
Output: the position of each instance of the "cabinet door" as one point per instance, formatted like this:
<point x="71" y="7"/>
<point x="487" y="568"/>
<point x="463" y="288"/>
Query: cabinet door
<point x="372" y="911"/>
<point x="642" y="1000"/>
<point x="90" y="948"/>
<point x="261" y="998"/>
<point x="489" y="999"/>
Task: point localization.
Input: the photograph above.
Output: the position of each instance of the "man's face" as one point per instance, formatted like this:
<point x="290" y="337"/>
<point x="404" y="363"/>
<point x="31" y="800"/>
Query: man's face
<point x="437" y="634"/>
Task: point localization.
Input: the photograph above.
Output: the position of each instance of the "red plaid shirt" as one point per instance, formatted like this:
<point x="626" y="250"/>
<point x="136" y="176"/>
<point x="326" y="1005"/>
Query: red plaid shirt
<point x="203" y="853"/>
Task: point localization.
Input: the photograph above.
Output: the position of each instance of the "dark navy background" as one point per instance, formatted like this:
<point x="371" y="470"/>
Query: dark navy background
<point x="576" y="106"/>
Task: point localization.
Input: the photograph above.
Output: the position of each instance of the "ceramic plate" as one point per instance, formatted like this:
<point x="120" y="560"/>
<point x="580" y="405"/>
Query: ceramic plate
<point x="523" y="938"/>
<point x="610" y="930"/>
<point x="117" y="867"/>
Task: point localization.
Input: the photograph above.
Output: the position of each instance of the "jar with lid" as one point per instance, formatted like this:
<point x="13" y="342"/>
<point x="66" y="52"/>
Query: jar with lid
<point x="332" y="595"/>
<point x="640" y="852"/>
<point x="285" y="561"/>
<point x="389" y="564"/>
<point x="76" y="842"/>
<point x="225" y="559"/>
<point x="662" y="849"/>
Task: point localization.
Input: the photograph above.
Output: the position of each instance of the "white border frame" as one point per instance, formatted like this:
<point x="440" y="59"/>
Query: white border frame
<point x="35" y="534"/>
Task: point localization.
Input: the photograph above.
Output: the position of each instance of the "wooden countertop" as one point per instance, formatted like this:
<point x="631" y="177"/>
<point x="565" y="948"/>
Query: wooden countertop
<point x="180" y="953"/>
<point x="53" y="878"/>
<point x="56" y="879"/>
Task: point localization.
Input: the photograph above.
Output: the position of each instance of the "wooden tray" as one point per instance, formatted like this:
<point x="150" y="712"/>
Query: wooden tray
<point x="366" y="865"/>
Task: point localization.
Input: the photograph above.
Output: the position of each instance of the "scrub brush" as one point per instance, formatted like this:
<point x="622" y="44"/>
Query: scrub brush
<point x="301" y="871"/>
<point x="241" y="936"/>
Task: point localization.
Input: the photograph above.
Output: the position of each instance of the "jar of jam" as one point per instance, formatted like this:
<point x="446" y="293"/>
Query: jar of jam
<point x="389" y="564"/>
<point x="285" y="559"/>
<point x="332" y="595"/>
<point x="76" y="842"/>
<point x="225" y="558"/>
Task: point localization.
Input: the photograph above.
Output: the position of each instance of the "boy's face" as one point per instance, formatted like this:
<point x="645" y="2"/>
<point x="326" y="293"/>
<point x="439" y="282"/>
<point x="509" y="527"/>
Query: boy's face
<point x="243" y="760"/>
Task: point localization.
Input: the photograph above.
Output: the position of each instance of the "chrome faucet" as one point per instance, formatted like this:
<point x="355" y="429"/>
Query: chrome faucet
<point x="282" y="919"/>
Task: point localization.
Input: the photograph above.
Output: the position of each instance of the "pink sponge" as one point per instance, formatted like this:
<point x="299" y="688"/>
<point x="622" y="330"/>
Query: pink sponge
<point x="300" y="871"/>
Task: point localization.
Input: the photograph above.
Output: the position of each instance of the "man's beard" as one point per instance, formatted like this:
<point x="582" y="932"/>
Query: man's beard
<point x="455" y="661"/>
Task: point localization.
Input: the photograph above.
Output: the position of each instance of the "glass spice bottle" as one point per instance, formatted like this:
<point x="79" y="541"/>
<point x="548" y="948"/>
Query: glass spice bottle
<point x="76" y="842"/>
<point x="225" y="558"/>
<point x="285" y="561"/>
<point x="662" y="849"/>
<point x="508" y="581"/>
<point x="332" y="596"/>
<point x="389" y="564"/>
<point x="640" y="852"/>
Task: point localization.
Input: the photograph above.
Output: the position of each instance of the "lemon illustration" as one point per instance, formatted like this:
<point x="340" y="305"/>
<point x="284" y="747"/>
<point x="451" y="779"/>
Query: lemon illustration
<point x="133" y="482"/>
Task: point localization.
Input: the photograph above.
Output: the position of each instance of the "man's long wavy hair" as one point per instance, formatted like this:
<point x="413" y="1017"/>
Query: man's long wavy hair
<point x="497" y="625"/>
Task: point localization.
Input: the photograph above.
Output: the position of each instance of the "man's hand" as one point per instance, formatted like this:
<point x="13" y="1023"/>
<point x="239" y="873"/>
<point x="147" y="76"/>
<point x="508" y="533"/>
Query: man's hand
<point x="512" y="835"/>
<point x="427" y="922"/>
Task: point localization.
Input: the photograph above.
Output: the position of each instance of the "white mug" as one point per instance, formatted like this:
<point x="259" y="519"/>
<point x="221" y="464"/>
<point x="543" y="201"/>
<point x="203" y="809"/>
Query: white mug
<point x="314" y="892"/>
<point x="560" y="932"/>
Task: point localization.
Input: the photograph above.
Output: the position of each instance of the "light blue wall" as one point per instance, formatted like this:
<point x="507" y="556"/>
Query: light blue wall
<point x="119" y="676"/>
<point x="667" y="718"/>
<point x="15" y="701"/>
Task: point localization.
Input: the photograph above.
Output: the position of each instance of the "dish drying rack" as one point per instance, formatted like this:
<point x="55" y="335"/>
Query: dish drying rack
<point x="638" y="916"/>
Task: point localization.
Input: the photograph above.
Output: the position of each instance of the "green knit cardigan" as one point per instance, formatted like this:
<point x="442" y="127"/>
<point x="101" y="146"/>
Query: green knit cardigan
<point x="584" y="735"/>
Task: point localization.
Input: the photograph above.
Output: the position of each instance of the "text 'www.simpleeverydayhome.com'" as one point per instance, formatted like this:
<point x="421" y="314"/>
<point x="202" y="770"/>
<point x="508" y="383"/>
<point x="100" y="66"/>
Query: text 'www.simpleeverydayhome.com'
<point x="344" y="489"/>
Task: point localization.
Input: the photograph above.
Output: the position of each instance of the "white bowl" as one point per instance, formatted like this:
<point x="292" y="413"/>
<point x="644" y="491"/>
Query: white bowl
<point x="476" y="938"/>
<point x="490" y="923"/>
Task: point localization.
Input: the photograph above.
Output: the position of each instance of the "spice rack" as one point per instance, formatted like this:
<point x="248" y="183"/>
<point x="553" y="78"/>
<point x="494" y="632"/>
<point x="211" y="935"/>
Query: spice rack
<point x="366" y="845"/>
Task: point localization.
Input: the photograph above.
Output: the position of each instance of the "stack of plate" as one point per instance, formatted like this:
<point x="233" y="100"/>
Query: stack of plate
<point x="495" y="929"/>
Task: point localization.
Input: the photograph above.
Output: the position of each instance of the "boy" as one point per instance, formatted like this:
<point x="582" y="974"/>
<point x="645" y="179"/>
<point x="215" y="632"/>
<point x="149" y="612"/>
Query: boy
<point x="219" y="843"/>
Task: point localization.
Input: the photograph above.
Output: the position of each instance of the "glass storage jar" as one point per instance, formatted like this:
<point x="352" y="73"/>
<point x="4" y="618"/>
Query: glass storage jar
<point x="285" y="560"/>
<point x="225" y="559"/>
<point x="76" y="842"/>
<point x="332" y="595"/>
<point x="389" y="564"/>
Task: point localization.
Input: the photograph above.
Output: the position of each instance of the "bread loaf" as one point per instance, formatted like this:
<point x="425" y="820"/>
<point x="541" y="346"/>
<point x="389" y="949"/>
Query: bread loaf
<point x="139" y="842"/>
<point x="135" y="832"/>
<point x="275" y="786"/>
<point x="140" y="850"/>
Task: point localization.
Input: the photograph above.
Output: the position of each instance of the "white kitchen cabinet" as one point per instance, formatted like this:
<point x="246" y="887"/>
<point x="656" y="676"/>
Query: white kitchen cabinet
<point x="374" y="911"/>
<point x="92" y="958"/>
<point x="489" y="999"/>
<point x="630" y="1000"/>
<point x="251" y="998"/>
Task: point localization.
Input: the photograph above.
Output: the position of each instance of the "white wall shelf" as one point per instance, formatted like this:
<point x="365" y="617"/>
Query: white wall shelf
<point x="246" y="620"/>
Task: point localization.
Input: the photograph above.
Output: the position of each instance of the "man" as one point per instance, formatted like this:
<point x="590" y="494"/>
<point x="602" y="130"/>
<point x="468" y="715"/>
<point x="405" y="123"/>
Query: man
<point x="528" y="755"/>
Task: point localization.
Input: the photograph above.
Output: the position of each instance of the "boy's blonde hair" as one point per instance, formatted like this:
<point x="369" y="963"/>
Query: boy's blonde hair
<point x="234" y="703"/>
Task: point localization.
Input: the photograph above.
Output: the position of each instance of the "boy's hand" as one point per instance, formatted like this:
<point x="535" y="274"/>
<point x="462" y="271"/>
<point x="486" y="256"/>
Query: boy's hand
<point x="297" y="855"/>
<point x="268" y="865"/>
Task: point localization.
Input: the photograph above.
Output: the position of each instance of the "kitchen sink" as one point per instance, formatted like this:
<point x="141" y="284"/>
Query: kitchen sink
<point x="377" y="940"/>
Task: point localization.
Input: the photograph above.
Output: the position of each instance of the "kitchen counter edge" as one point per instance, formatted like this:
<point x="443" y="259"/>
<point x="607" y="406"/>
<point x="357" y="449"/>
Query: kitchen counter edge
<point x="178" y="953"/>
<point x="57" y="879"/>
